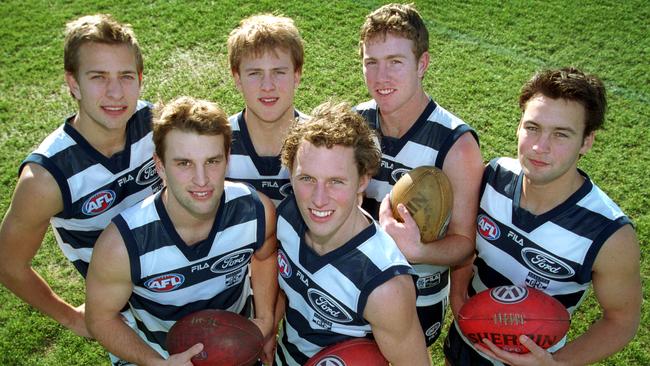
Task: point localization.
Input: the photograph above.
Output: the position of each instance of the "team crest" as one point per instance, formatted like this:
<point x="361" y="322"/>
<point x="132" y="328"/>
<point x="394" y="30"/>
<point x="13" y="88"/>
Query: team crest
<point x="487" y="228"/>
<point x="284" y="267"/>
<point x="98" y="203"/>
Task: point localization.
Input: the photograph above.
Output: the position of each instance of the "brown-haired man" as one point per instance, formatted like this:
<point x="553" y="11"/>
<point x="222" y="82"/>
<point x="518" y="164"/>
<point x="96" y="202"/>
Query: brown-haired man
<point x="414" y="131"/>
<point x="88" y="170"/>
<point x="543" y="223"/>
<point x="200" y="231"/>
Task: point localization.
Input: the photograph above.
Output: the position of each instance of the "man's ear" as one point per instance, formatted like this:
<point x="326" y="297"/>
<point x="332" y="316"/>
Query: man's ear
<point x="73" y="85"/>
<point x="423" y="64"/>
<point x="237" y="79"/>
<point x="587" y="142"/>
<point x="364" y="180"/>
<point x="160" y="167"/>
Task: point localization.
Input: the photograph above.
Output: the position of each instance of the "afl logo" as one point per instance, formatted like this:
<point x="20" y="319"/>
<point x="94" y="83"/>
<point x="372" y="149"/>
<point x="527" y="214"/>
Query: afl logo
<point x="232" y="262"/>
<point x="328" y="307"/>
<point x="286" y="189"/>
<point x="509" y="294"/>
<point x="546" y="264"/>
<point x="98" y="203"/>
<point x="147" y="174"/>
<point x="487" y="228"/>
<point x="330" y="361"/>
<point x="398" y="173"/>
<point x="283" y="265"/>
<point x="165" y="283"/>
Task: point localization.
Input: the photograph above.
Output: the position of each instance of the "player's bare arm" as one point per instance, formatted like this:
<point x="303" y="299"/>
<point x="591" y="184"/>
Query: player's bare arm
<point x="395" y="326"/>
<point x="464" y="168"/>
<point x="264" y="277"/>
<point x="108" y="288"/>
<point x="36" y="199"/>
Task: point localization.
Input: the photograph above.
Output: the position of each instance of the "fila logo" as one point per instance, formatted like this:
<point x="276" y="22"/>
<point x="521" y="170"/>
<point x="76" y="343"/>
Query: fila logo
<point x="98" y="203"/>
<point x="330" y="361"/>
<point x="165" y="283"/>
<point x="509" y="294"/>
<point x="147" y="174"/>
<point x="269" y="184"/>
<point x="284" y="267"/>
<point x="487" y="228"/>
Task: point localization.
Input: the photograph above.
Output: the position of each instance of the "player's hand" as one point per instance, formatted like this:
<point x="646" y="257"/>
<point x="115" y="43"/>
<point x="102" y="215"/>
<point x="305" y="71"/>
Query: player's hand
<point x="536" y="357"/>
<point x="406" y="234"/>
<point x="77" y="323"/>
<point x="184" y="358"/>
<point x="268" y="351"/>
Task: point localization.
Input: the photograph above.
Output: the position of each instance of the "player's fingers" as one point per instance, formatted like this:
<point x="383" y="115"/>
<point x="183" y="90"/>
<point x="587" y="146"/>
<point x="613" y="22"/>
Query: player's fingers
<point x="193" y="351"/>
<point x="385" y="212"/>
<point x="532" y="346"/>
<point x="491" y="350"/>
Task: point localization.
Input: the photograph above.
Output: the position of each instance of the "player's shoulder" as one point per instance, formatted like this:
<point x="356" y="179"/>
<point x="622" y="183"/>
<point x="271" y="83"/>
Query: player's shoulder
<point x="366" y="106"/>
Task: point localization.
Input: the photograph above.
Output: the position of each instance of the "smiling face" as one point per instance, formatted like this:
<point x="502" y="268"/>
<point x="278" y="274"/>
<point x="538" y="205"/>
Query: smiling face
<point x="326" y="183"/>
<point x="107" y="86"/>
<point x="392" y="73"/>
<point x="193" y="170"/>
<point x="551" y="140"/>
<point x="268" y="84"/>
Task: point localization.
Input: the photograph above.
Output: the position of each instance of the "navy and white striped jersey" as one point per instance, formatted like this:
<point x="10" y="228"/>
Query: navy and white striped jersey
<point x="427" y="142"/>
<point x="171" y="279"/>
<point x="265" y="173"/>
<point x="95" y="188"/>
<point x="554" y="251"/>
<point x="327" y="295"/>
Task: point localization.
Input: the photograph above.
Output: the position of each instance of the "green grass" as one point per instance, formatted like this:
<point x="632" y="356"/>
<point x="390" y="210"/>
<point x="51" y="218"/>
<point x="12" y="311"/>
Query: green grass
<point x="481" y="54"/>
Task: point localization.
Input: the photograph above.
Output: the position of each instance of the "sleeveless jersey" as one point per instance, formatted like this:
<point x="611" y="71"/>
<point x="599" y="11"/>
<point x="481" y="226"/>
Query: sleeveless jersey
<point x="554" y="251"/>
<point x="265" y="173"/>
<point x="95" y="188"/>
<point x="326" y="295"/>
<point x="171" y="279"/>
<point x="427" y="142"/>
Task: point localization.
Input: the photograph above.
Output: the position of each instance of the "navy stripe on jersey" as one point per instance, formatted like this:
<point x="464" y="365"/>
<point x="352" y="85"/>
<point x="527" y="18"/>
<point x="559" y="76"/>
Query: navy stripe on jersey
<point x="172" y="279"/>
<point x="265" y="173"/>
<point x="326" y="295"/>
<point x="95" y="188"/>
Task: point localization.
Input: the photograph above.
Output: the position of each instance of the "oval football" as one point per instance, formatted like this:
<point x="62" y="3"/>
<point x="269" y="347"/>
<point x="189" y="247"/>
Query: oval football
<point x="426" y="192"/>
<point x="356" y="351"/>
<point x="228" y="338"/>
<point x="501" y="314"/>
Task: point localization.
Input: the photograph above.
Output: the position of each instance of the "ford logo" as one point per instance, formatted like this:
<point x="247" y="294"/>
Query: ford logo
<point x="487" y="228"/>
<point x="232" y="261"/>
<point x="546" y="264"/>
<point x="398" y="173"/>
<point x="328" y="307"/>
<point x="147" y="174"/>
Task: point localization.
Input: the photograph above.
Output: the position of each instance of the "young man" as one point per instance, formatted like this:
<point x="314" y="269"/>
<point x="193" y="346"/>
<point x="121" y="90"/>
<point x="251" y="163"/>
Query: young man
<point x="543" y="223"/>
<point x="200" y="231"/>
<point x="342" y="276"/>
<point x="266" y="57"/>
<point x="96" y="164"/>
<point x="415" y="131"/>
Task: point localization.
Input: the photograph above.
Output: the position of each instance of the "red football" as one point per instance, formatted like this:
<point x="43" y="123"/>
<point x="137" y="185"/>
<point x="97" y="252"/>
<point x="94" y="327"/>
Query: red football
<point x="353" y="352"/>
<point x="228" y="338"/>
<point x="503" y="313"/>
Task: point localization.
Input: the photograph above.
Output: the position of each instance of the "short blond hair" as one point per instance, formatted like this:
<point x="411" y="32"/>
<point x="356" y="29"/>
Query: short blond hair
<point x="189" y="115"/>
<point x="263" y="33"/>
<point x="335" y="124"/>
<point x="98" y="28"/>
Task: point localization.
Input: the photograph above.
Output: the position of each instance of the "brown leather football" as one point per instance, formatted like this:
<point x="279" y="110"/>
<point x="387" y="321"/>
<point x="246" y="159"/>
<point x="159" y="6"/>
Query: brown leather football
<point x="426" y="192"/>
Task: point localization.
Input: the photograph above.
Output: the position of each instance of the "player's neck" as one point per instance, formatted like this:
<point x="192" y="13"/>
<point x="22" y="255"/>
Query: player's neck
<point x="192" y="229"/>
<point x="541" y="198"/>
<point x="396" y="123"/>
<point x="105" y="140"/>
<point x="268" y="137"/>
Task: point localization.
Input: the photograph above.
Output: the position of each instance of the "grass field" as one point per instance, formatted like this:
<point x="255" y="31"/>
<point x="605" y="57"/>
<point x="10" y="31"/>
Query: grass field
<point x="482" y="51"/>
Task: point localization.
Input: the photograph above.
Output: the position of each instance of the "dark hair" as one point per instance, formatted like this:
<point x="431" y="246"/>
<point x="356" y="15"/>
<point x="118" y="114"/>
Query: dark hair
<point x="571" y="84"/>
